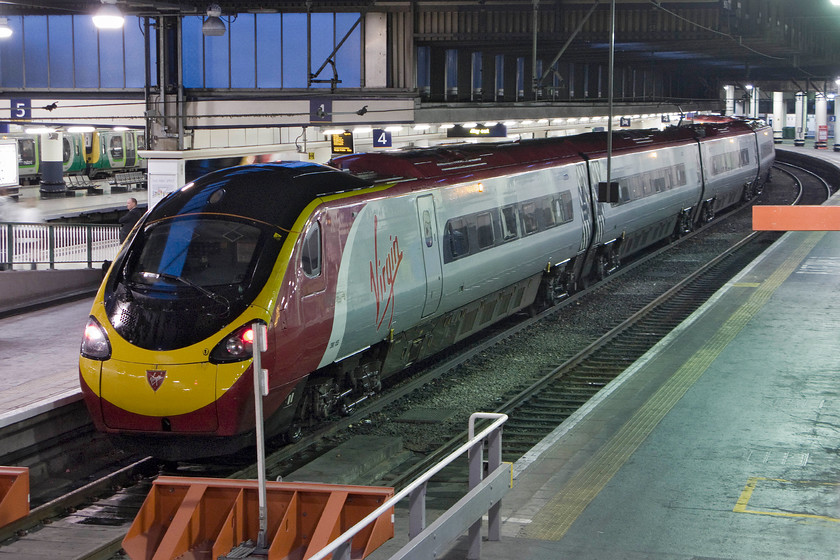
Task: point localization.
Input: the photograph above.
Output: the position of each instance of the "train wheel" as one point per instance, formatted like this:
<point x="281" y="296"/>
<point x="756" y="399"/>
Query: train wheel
<point x="293" y="433"/>
<point x="601" y="267"/>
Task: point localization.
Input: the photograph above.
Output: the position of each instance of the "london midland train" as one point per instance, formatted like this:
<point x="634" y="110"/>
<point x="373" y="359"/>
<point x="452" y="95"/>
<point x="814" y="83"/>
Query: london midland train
<point x="361" y="268"/>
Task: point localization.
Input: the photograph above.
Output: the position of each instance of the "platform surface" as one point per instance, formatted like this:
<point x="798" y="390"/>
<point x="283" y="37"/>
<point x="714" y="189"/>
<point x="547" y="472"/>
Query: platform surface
<point x="720" y="443"/>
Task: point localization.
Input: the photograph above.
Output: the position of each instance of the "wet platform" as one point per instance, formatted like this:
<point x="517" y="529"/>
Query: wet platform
<point x="721" y="442"/>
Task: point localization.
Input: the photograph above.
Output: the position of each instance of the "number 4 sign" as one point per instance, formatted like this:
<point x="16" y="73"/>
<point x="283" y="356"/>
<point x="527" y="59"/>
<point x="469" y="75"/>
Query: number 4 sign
<point x="381" y="138"/>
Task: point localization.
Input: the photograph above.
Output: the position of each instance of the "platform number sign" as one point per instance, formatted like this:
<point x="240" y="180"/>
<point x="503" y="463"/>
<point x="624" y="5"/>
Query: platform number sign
<point x="21" y="108"/>
<point x="381" y="138"/>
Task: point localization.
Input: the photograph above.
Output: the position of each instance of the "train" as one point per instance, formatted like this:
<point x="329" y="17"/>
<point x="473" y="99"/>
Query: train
<point x="363" y="267"/>
<point x="96" y="154"/>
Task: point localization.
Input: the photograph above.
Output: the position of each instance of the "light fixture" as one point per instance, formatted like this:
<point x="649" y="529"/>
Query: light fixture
<point x="213" y="26"/>
<point x="80" y="129"/>
<point x="5" y="30"/>
<point x="108" y="16"/>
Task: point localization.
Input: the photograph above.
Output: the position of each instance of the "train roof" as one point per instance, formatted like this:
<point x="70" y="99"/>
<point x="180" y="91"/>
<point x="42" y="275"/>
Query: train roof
<point x="273" y="193"/>
<point x="455" y="160"/>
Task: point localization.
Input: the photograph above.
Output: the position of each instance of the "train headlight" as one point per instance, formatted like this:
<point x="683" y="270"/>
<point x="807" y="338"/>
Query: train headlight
<point x="95" y="343"/>
<point x="235" y="347"/>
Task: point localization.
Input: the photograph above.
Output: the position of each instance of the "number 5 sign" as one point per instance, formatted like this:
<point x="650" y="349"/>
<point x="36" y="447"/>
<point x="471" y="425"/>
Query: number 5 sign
<point x="381" y="138"/>
<point x="21" y="108"/>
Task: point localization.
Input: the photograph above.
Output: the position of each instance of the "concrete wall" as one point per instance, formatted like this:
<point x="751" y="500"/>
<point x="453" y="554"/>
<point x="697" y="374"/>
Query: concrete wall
<point x="24" y="288"/>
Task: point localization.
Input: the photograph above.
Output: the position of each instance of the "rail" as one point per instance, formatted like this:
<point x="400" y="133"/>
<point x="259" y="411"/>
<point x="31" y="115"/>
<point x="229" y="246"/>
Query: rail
<point x="484" y="496"/>
<point x="37" y="245"/>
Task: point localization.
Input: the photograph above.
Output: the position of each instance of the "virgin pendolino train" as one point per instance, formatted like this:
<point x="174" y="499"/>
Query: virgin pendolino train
<point x="361" y="269"/>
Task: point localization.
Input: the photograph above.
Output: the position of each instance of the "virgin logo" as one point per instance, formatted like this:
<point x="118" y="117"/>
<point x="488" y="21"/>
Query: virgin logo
<point x="383" y="276"/>
<point x="155" y="378"/>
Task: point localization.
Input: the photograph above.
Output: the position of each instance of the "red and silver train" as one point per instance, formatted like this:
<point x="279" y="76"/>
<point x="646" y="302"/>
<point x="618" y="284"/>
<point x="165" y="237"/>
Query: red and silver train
<point x="362" y="269"/>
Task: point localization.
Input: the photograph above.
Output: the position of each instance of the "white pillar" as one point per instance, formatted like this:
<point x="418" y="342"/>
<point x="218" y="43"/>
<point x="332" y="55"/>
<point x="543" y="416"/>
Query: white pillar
<point x="52" y="163"/>
<point x="729" y="93"/>
<point x="821" y="121"/>
<point x="778" y="116"/>
<point x="754" y="95"/>
<point x="837" y="123"/>
<point x="801" y="118"/>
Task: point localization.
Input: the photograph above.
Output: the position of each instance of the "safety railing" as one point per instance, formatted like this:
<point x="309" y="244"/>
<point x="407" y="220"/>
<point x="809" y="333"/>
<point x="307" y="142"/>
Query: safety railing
<point x="484" y="496"/>
<point x="65" y="246"/>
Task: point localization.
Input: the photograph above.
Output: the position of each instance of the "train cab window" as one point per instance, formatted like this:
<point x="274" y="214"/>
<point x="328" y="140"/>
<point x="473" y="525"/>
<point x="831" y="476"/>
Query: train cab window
<point x="116" y="147"/>
<point x="484" y="226"/>
<point x="310" y="254"/>
<point x="457" y="237"/>
<point x="509" y="229"/>
<point x="529" y="217"/>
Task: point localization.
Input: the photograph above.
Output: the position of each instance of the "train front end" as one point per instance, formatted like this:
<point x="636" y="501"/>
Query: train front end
<point x="166" y="358"/>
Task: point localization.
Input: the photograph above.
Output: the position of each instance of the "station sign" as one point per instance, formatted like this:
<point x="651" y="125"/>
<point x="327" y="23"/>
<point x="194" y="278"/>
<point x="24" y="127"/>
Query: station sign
<point x="495" y="131"/>
<point x="342" y="143"/>
<point x="9" y="163"/>
<point x="381" y="138"/>
<point x="21" y="109"/>
<point x="624" y="122"/>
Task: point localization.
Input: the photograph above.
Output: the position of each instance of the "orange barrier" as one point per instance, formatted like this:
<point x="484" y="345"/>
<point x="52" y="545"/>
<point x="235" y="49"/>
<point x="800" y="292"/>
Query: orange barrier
<point x="14" y="494"/>
<point x="207" y="517"/>
<point x="796" y="218"/>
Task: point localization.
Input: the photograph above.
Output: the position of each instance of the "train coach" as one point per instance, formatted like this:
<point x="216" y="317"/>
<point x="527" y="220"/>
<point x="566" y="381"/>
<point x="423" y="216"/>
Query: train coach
<point x="98" y="153"/>
<point x="361" y="269"/>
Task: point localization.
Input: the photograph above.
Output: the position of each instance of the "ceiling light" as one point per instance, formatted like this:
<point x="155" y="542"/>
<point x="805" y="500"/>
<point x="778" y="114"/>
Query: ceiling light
<point x="5" y="30"/>
<point x="108" y="16"/>
<point x="213" y="26"/>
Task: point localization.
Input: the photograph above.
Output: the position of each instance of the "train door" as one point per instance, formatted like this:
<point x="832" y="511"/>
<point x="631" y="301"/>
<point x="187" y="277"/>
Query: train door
<point x="130" y="149"/>
<point x="431" y="253"/>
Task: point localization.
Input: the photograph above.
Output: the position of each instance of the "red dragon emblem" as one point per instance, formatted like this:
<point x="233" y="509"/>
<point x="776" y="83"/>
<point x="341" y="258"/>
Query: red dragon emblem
<point x="155" y="378"/>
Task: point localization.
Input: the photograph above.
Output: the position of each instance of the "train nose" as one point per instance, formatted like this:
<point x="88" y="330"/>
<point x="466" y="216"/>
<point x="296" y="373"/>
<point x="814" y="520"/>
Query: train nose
<point x="157" y="397"/>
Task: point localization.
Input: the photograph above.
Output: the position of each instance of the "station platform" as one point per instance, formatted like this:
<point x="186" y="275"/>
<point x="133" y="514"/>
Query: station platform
<point x="721" y="442"/>
<point x="32" y="207"/>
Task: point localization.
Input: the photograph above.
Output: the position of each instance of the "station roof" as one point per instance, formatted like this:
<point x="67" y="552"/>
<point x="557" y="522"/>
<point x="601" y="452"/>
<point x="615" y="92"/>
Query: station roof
<point x="741" y="40"/>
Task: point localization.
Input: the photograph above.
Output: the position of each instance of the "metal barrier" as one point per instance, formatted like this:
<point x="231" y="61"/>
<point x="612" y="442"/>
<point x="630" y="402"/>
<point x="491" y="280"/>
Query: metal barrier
<point x="34" y="246"/>
<point x="430" y="542"/>
<point x="14" y="494"/>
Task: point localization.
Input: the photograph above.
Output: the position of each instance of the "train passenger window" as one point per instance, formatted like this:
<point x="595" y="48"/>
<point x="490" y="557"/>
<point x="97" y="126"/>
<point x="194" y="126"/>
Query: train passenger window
<point x="567" y="210"/>
<point x="457" y="237"/>
<point x="681" y="176"/>
<point x="428" y="234"/>
<point x="116" y="146"/>
<point x="745" y="157"/>
<point x="310" y="253"/>
<point x="659" y="184"/>
<point x="509" y="229"/>
<point x="529" y="217"/>
<point x="546" y="212"/>
<point x="484" y="224"/>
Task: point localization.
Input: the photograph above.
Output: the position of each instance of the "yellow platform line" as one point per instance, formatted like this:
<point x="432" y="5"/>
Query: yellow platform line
<point x="752" y="482"/>
<point x="558" y="514"/>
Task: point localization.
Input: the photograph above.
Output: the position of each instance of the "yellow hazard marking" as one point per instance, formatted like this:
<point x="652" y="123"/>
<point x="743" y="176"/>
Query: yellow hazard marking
<point x="558" y="514"/>
<point x="752" y="482"/>
<point x="746" y="285"/>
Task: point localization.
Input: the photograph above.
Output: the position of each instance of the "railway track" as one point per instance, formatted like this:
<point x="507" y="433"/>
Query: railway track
<point x="550" y="395"/>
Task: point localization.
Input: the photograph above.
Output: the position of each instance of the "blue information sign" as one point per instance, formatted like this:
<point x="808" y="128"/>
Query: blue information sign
<point x="21" y="108"/>
<point x="381" y="138"/>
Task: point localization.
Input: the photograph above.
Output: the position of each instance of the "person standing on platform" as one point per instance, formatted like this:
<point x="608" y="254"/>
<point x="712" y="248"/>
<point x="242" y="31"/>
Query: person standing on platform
<point x="127" y="222"/>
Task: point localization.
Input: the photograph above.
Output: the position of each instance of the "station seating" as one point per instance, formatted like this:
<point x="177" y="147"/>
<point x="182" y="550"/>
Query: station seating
<point x="127" y="181"/>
